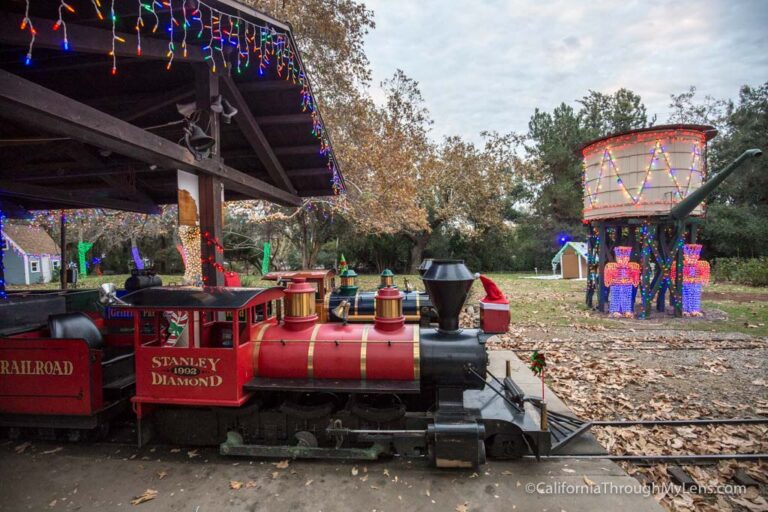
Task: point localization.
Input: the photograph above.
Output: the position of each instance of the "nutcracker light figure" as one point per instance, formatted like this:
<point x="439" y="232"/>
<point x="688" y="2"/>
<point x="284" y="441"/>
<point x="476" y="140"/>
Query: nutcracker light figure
<point x="622" y="277"/>
<point x="695" y="275"/>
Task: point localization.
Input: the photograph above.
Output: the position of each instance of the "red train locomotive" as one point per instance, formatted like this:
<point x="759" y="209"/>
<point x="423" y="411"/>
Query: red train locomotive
<point x="224" y="369"/>
<point x="255" y="372"/>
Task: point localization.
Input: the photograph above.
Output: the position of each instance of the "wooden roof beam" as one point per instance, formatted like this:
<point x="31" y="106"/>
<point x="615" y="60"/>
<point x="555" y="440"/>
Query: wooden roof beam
<point x="285" y="119"/>
<point x="255" y="136"/>
<point x="29" y="103"/>
<point x="73" y="198"/>
<point x="313" y="171"/>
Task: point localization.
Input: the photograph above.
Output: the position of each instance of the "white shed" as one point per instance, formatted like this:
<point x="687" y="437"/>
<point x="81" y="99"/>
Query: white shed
<point x="572" y="261"/>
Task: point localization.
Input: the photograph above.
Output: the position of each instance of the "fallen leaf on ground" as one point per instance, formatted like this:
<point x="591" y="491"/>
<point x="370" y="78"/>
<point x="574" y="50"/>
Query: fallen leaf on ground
<point x="250" y="484"/>
<point x="149" y="494"/>
<point x="308" y="482"/>
<point x="234" y="484"/>
<point x="355" y="471"/>
<point x="161" y="474"/>
<point x="589" y="482"/>
<point x="192" y="454"/>
<point x="462" y="507"/>
<point x="22" y="447"/>
<point x="283" y="464"/>
<point x="55" y="450"/>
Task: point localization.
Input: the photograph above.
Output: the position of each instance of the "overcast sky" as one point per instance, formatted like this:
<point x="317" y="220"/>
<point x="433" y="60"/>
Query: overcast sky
<point x="486" y="64"/>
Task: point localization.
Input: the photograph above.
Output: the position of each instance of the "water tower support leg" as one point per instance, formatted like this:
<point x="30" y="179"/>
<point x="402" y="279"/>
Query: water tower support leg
<point x="678" y="277"/>
<point x="602" y="260"/>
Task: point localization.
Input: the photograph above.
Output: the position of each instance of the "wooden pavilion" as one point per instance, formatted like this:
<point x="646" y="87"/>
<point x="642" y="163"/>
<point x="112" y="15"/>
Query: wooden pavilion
<point x="88" y="102"/>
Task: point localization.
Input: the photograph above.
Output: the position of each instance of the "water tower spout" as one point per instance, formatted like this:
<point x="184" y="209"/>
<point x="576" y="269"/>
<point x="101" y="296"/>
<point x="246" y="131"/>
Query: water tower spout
<point x="687" y="205"/>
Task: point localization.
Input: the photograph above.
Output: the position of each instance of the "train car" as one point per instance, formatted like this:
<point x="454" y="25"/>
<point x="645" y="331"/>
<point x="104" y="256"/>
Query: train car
<point x="66" y="371"/>
<point x="230" y="371"/>
<point x="347" y="303"/>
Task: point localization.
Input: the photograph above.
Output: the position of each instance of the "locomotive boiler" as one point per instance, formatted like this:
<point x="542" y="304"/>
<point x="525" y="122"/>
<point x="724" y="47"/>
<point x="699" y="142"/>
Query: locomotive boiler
<point x="347" y="303"/>
<point x="258" y="385"/>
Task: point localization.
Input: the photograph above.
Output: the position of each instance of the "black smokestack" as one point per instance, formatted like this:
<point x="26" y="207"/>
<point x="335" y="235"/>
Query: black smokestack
<point x="448" y="283"/>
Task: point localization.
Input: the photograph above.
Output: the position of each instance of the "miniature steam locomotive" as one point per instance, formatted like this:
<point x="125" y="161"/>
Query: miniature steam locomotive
<point x="259" y="386"/>
<point x="254" y="372"/>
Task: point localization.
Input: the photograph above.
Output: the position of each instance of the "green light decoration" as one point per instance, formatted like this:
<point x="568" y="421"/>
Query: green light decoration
<point x="265" y="259"/>
<point x="82" y="250"/>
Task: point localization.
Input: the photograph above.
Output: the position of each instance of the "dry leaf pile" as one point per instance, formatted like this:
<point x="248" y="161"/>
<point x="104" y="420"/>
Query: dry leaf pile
<point x="641" y="373"/>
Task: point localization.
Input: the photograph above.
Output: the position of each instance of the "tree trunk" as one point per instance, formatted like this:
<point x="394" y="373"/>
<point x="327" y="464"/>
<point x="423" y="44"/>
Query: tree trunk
<point x="417" y="251"/>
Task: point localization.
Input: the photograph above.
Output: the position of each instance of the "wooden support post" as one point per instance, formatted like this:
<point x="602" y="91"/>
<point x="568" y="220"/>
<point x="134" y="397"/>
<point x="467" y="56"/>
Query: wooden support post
<point x="209" y="187"/>
<point x="211" y="228"/>
<point x="63" y="243"/>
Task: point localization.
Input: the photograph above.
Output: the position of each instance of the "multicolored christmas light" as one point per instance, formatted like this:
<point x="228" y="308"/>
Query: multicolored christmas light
<point x="695" y="275"/>
<point x="659" y="160"/>
<point x="622" y="276"/>
<point x="3" y="294"/>
<point x="251" y="42"/>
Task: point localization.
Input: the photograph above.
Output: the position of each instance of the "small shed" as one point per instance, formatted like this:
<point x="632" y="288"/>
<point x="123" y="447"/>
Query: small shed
<point x="31" y="255"/>
<point x="572" y="260"/>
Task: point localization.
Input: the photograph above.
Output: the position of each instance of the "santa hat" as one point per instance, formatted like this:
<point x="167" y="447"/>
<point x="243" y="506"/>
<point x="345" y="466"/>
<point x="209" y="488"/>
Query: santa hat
<point x="493" y="294"/>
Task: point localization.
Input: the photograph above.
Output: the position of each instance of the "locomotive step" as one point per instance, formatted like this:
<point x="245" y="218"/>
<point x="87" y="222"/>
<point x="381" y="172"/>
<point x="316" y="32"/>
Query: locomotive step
<point x="340" y="386"/>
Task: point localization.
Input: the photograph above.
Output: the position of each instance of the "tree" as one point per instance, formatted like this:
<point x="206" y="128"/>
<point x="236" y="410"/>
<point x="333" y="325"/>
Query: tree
<point x="602" y="114"/>
<point x="685" y="111"/>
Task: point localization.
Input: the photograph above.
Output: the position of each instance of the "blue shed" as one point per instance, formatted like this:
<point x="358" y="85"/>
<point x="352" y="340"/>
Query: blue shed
<point x="31" y="255"/>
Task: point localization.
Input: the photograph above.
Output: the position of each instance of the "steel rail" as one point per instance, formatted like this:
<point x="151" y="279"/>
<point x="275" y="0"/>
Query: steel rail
<point x="659" y="458"/>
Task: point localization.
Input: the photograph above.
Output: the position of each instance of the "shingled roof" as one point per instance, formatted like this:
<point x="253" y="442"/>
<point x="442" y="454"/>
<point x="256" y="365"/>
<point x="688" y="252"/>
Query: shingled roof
<point x="31" y="240"/>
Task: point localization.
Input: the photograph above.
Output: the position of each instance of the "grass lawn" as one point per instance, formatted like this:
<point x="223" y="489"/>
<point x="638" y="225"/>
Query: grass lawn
<point x="557" y="302"/>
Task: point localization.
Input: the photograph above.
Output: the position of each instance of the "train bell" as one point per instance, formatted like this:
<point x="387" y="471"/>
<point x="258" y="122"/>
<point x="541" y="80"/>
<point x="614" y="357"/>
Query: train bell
<point x="342" y="311"/>
<point x="197" y="141"/>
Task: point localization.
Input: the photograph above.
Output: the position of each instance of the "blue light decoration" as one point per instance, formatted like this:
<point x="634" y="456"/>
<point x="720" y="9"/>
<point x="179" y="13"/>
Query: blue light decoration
<point x="137" y="258"/>
<point x="3" y="295"/>
<point x="695" y="275"/>
<point x="563" y="238"/>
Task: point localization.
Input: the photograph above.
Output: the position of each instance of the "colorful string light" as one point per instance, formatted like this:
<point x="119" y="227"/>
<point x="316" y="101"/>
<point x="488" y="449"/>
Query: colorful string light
<point x="622" y="277"/>
<point x="268" y="47"/>
<point x="26" y="22"/>
<point x="593" y="173"/>
<point x="3" y="294"/>
<point x="695" y="275"/>
<point x="60" y="23"/>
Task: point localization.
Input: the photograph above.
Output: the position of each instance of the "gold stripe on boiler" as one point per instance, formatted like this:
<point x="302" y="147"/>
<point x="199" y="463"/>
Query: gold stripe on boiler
<point x="363" y="353"/>
<point x="311" y="353"/>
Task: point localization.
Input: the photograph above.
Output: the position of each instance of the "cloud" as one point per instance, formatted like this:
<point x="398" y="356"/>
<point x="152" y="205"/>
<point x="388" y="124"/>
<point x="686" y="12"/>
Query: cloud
<point x="487" y="65"/>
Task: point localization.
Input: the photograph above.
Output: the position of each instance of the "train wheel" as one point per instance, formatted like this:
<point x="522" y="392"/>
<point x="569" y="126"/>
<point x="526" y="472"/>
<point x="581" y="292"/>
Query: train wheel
<point x="305" y="439"/>
<point x="506" y="446"/>
<point x="378" y="408"/>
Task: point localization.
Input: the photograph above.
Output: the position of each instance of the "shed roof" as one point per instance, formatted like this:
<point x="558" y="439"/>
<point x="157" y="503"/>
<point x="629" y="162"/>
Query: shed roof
<point x="579" y="247"/>
<point x="56" y="111"/>
<point x="31" y="240"/>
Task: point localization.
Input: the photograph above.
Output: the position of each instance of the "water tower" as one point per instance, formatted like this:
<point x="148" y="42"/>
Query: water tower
<point x="645" y="189"/>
